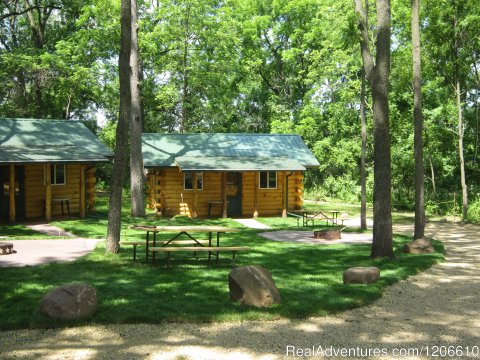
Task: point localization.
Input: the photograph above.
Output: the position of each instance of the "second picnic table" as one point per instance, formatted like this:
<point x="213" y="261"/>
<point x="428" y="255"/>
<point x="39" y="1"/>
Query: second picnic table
<point x="182" y="230"/>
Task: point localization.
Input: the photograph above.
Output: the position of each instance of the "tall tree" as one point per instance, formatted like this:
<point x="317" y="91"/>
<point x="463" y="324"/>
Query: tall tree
<point x="461" y="124"/>
<point x="377" y="72"/>
<point x="136" y="123"/>
<point x="121" y="138"/>
<point x="419" y="231"/>
<point x="363" y="156"/>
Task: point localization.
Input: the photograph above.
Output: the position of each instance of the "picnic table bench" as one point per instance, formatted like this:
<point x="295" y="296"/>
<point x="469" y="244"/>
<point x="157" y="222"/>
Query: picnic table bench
<point x="210" y="249"/>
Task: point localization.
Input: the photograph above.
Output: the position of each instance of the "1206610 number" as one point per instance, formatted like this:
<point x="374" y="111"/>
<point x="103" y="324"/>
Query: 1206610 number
<point x="450" y="351"/>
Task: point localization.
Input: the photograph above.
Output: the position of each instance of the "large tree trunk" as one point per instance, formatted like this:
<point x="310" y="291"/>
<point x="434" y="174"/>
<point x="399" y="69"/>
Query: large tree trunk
<point x="419" y="231"/>
<point x="363" y="173"/>
<point x="136" y="126"/>
<point x="121" y="139"/>
<point x="378" y="75"/>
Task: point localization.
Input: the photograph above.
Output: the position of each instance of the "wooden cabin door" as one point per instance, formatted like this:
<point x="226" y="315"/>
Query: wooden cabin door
<point x="19" y="192"/>
<point x="234" y="194"/>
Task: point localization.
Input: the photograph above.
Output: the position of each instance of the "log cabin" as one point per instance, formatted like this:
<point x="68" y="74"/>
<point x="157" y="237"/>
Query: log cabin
<point x="47" y="168"/>
<point x="225" y="175"/>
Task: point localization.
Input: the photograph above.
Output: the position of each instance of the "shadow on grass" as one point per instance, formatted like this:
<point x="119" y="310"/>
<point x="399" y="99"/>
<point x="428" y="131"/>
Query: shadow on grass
<point x="309" y="277"/>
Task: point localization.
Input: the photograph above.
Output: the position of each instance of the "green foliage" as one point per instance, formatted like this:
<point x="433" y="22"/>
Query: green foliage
<point x="343" y="188"/>
<point x="473" y="214"/>
<point x="257" y="66"/>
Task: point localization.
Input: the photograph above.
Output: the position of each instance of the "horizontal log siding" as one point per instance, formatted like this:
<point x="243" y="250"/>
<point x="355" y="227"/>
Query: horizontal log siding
<point x="167" y="195"/>
<point x="35" y="190"/>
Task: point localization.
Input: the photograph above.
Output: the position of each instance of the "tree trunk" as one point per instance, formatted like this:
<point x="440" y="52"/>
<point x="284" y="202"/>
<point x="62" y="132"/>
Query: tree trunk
<point x="460" y="152"/>
<point x="419" y="231"/>
<point x="136" y="126"/>
<point x="185" y="100"/>
<point x="363" y="174"/>
<point x="378" y="75"/>
<point x="432" y="175"/>
<point x="121" y="139"/>
<point x="461" y="126"/>
<point x="35" y="21"/>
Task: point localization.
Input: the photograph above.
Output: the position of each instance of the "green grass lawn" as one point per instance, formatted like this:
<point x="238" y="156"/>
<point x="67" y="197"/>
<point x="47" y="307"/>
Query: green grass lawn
<point x="309" y="278"/>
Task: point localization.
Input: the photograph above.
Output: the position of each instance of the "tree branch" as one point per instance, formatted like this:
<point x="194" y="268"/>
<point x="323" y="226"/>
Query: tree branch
<point x="362" y="18"/>
<point x="27" y="9"/>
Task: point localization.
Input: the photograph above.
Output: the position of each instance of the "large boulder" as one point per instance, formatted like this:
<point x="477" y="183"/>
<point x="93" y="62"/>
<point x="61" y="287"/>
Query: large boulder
<point x="361" y="275"/>
<point x="69" y="302"/>
<point x="253" y="285"/>
<point x="419" y="246"/>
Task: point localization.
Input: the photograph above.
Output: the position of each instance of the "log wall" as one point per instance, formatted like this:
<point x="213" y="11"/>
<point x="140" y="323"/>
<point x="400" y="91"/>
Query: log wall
<point x="35" y="190"/>
<point x="166" y="195"/>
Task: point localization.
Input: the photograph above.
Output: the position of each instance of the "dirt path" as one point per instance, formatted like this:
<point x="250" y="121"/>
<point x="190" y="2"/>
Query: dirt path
<point x="439" y="307"/>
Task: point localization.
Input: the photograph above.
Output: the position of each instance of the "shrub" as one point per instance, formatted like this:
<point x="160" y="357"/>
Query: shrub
<point x="343" y="188"/>
<point x="473" y="214"/>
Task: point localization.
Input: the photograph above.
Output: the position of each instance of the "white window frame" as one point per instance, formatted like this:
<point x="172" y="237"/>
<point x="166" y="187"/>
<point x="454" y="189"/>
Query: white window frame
<point x="268" y="180"/>
<point x="199" y="177"/>
<point x="53" y="180"/>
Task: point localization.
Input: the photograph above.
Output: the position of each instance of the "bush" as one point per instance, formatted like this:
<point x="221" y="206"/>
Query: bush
<point x="344" y="189"/>
<point x="473" y="214"/>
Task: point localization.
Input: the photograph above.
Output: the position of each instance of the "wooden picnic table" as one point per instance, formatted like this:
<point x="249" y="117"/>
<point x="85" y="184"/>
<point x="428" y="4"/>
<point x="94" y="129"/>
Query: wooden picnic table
<point x="182" y="230"/>
<point x="312" y="215"/>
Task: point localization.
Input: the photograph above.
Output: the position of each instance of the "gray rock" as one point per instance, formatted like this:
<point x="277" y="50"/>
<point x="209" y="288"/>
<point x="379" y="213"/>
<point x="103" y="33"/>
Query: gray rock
<point x="253" y="285"/>
<point x="361" y="275"/>
<point x="69" y="302"/>
<point x="419" y="246"/>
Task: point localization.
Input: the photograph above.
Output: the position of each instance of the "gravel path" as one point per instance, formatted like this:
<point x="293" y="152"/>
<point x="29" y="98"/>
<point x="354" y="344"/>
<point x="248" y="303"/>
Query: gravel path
<point x="439" y="307"/>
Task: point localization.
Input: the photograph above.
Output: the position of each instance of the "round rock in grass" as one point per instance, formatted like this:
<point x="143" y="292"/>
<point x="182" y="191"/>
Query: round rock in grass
<point x="419" y="246"/>
<point x="361" y="275"/>
<point x="69" y="302"/>
<point x="253" y="285"/>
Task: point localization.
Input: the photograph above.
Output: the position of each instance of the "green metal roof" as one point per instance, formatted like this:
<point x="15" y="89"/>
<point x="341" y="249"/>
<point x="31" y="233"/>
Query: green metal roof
<point x="188" y="163"/>
<point x="38" y="140"/>
<point x="215" y="151"/>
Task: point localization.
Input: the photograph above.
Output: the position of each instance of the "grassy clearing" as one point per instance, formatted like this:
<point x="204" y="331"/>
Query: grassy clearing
<point x="308" y="276"/>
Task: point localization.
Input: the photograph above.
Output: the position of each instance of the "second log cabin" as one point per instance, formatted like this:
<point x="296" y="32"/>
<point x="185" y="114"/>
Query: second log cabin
<point x="226" y="175"/>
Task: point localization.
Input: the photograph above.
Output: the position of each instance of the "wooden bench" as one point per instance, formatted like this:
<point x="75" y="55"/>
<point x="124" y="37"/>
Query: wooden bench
<point x="134" y="244"/>
<point x="211" y="249"/>
<point x="296" y="216"/>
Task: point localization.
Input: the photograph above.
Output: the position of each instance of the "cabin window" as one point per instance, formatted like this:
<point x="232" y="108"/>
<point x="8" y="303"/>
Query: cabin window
<point x="268" y="180"/>
<point x="58" y="174"/>
<point x="188" y="181"/>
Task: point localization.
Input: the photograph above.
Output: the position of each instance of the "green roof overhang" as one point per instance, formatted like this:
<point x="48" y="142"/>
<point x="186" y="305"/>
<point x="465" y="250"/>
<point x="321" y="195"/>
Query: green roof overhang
<point x="225" y="163"/>
<point x="20" y="154"/>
